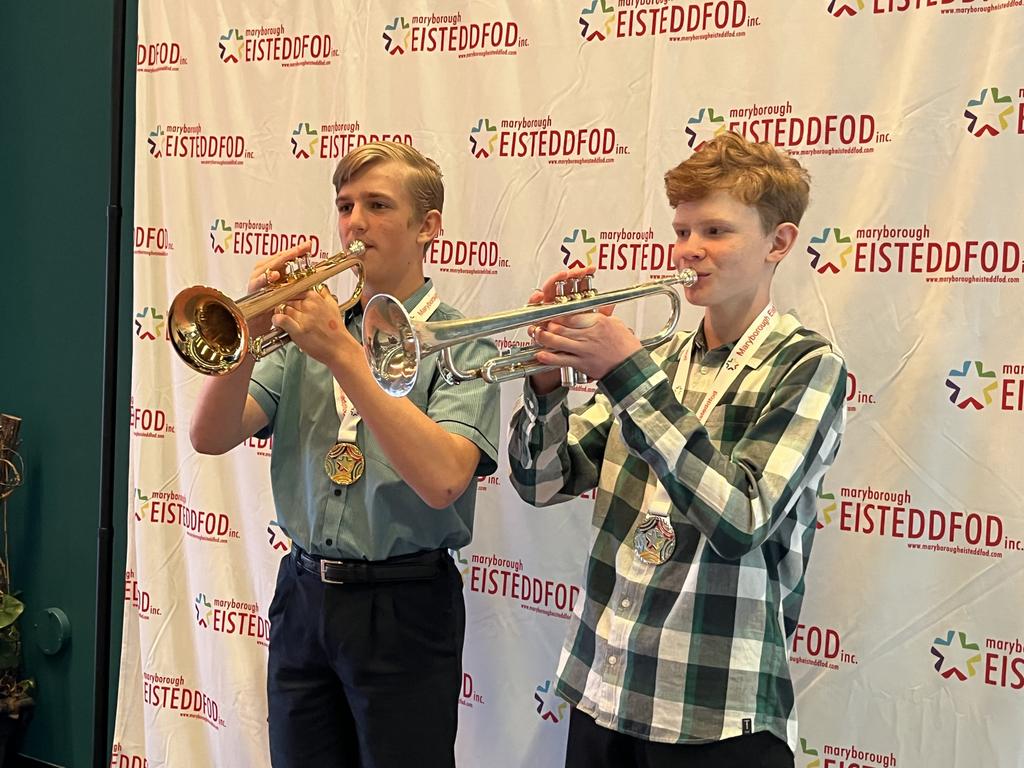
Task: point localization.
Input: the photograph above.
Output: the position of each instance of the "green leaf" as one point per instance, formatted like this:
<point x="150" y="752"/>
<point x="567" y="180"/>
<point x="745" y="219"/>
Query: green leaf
<point x="10" y="609"/>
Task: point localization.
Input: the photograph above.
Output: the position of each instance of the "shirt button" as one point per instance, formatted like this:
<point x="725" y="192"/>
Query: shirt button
<point x="329" y="542"/>
<point x="337" y="491"/>
<point x="612" y="661"/>
<point x="704" y="370"/>
<point x="625" y="602"/>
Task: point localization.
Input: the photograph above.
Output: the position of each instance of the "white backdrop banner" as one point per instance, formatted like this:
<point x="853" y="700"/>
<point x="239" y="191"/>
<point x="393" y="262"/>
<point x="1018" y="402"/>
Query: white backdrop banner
<point x="554" y="124"/>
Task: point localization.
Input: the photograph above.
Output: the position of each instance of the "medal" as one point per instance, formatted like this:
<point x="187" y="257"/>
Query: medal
<point x="344" y="463"/>
<point x="654" y="540"/>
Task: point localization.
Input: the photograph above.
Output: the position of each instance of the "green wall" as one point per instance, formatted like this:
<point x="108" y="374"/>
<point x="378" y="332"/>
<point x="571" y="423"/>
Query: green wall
<point x="55" y="76"/>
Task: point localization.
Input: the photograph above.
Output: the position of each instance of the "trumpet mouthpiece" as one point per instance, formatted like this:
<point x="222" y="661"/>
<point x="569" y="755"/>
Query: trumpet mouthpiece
<point x="689" y="277"/>
<point x="356" y="249"/>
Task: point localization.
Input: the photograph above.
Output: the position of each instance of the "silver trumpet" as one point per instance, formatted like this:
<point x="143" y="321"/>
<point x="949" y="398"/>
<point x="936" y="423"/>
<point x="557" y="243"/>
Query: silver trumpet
<point x="395" y="343"/>
<point x="210" y="332"/>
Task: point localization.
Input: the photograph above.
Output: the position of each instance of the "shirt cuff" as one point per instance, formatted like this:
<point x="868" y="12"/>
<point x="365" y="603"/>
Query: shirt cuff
<point x="540" y="406"/>
<point x="633" y="378"/>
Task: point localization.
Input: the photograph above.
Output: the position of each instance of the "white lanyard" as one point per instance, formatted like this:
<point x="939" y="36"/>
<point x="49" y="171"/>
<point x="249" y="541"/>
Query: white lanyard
<point x="744" y="350"/>
<point x="348" y="416"/>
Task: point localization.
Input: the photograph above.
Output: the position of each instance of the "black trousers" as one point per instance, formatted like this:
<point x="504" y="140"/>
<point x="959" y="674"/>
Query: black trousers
<point x="364" y="675"/>
<point x="591" y="746"/>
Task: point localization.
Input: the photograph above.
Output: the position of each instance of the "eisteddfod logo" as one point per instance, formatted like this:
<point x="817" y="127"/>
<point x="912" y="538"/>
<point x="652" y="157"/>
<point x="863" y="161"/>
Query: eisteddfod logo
<point x="597" y="20"/>
<point x="231" y="46"/>
<point x="913" y="250"/>
<point x="149" y="324"/>
<point x="550" y="706"/>
<point x="844" y="754"/>
<point x="578" y="249"/>
<point x="277" y="539"/>
<point x="525" y="137"/>
<point x="335" y="139"/>
<point x="884" y="513"/>
<point x="997" y="662"/>
<point x="830" y="251"/>
<point x="304" y="141"/>
<point x="989" y="113"/>
<point x="834" y="133"/>
<point x="449" y="35"/>
<point x="396" y="36"/>
<point x="955" y="656"/>
<point x="482" y="138"/>
<point x="255" y="236"/>
<point x="703" y="127"/>
<point x="155" y="142"/>
<point x="204" y="611"/>
<point x="840" y="8"/>
<point x="221" y="235"/>
<point x="826" y="508"/>
<point x="262" y="44"/>
<point x="971" y="385"/>
<point x="188" y="141"/>
<point x="679" y="22"/>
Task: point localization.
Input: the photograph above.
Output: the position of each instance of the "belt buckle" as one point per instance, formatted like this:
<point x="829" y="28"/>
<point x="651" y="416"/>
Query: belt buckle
<point x="323" y="574"/>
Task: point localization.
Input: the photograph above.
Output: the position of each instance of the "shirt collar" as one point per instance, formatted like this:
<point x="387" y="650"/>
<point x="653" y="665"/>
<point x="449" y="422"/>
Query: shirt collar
<point x="410" y="303"/>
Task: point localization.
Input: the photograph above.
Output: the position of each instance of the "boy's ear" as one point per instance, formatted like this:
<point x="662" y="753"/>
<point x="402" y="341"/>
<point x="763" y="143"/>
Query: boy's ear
<point x="783" y="240"/>
<point x="430" y="226"/>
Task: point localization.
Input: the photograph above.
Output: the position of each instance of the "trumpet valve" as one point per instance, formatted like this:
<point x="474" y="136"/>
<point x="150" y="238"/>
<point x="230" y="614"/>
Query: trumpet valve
<point x="560" y="291"/>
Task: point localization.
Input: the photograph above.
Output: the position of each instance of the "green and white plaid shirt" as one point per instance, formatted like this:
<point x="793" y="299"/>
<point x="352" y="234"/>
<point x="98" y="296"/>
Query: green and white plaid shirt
<point x="696" y="649"/>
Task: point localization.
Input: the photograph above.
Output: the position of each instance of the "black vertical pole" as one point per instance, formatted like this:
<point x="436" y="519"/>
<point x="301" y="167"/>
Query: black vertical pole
<point x="105" y="532"/>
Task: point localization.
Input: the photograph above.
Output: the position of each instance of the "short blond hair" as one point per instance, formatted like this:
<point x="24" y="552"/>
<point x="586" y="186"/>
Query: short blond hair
<point x="756" y="174"/>
<point x="423" y="175"/>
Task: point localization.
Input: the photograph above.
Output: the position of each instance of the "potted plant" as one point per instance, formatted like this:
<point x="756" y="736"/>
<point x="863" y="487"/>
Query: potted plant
<point x="16" y="701"/>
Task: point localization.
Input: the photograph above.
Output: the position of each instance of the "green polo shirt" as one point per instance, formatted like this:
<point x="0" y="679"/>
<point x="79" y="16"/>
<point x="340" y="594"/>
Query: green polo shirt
<point x="379" y="516"/>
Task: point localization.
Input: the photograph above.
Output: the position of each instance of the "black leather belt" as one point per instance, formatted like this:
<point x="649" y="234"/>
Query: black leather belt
<point x="416" y="567"/>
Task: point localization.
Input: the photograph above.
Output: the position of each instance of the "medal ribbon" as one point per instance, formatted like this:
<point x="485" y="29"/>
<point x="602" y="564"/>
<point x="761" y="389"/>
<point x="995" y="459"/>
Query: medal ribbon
<point x="742" y="353"/>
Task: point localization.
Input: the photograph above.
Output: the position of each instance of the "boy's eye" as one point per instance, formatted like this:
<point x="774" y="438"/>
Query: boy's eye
<point x="344" y="207"/>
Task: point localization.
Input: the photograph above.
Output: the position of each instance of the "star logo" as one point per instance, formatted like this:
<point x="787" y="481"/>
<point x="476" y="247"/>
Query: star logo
<point x="155" y="143"/>
<point x="232" y="46"/>
<point x="987" y="115"/>
<point x="550" y="706"/>
<point x="304" y="139"/>
<point x="278" y="541"/>
<point x="826" y="507"/>
<point x="808" y="755"/>
<point x="203" y="616"/>
<point x="578" y="249"/>
<point x="463" y="563"/>
<point x="840" y="8"/>
<point x="966" y="656"/>
<point x="396" y="36"/>
<point x="221" y="236"/>
<point x="149" y="324"/>
<point x="967" y="389"/>
<point x="141" y="512"/>
<point x="830" y="256"/>
<point x="703" y="127"/>
<point x="482" y="137"/>
<point x="597" y="20"/>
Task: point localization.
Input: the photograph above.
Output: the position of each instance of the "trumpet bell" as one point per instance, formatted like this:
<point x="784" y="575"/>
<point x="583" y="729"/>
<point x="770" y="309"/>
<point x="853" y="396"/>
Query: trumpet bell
<point x="211" y="333"/>
<point x="391" y="344"/>
<point x="207" y="330"/>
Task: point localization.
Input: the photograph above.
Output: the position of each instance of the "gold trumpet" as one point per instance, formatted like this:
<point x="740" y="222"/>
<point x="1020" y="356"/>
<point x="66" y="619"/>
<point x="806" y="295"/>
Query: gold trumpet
<point x="210" y="332"/>
<point x="395" y="343"/>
